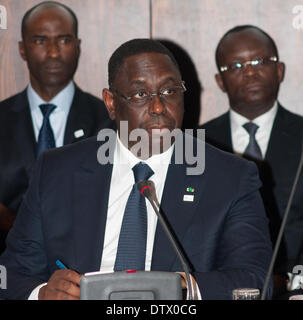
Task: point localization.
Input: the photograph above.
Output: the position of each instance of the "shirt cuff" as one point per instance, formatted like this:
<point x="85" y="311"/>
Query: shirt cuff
<point x="35" y="292"/>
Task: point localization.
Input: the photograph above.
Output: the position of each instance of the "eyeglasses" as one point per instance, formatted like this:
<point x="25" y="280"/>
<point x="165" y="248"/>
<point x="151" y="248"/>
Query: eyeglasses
<point x="169" y="94"/>
<point x="256" y="63"/>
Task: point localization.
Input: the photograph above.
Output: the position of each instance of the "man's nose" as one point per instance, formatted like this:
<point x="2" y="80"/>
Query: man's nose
<point x="250" y="70"/>
<point x="157" y="105"/>
<point x="53" y="50"/>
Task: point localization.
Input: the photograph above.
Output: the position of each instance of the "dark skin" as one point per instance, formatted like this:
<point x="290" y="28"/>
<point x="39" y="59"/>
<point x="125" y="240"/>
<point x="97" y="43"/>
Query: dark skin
<point x="253" y="91"/>
<point x="152" y="70"/>
<point x="51" y="49"/>
<point x="62" y="285"/>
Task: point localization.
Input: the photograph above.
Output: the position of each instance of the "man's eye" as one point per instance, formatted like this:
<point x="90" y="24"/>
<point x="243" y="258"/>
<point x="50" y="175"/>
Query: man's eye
<point x="255" y="62"/>
<point x="139" y="95"/>
<point x="38" y="41"/>
<point x="237" y="65"/>
<point x="168" y="91"/>
<point x="64" y="41"/>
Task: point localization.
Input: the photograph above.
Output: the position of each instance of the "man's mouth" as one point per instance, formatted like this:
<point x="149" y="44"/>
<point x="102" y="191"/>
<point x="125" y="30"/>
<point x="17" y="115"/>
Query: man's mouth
<point x="53" y="68"/>
<point x="159" y="130"/>
<point x="253" y="86"/>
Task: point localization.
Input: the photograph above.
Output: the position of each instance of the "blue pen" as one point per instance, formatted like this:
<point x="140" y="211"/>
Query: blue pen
<point x="60" y="265"/>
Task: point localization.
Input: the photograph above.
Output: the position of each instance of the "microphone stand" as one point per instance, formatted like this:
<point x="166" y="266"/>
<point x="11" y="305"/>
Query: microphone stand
<point x="147" y="189"/>
<point x="279" y="238"/>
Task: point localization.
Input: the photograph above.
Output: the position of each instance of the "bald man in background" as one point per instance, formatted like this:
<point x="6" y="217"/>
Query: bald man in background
<point x="52" y="111"/>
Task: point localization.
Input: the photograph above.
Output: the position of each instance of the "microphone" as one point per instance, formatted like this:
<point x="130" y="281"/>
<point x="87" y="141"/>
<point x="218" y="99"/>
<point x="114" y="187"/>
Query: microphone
<point x="147" y="189"/>
<point x="282" y="227"/>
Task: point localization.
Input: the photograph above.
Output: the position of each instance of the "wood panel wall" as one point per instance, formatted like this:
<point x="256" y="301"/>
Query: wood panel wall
<point x="191" y="28"/>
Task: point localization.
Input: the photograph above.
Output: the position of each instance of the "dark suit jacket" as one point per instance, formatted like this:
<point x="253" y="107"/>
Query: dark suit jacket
<point x="277" y="174"/>
<point x="18" y="143"/>
<point x="223" y="232"/>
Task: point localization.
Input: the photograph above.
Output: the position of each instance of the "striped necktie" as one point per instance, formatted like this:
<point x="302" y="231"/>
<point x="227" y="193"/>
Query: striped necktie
<point x="252" y="151"/>
<point x="132" y="241"/>
<point x="46" y="138"/>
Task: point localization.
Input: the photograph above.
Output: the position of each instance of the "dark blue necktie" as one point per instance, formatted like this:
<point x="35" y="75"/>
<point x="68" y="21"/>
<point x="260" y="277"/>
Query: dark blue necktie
<point x="46" y="138"/>
<point x="132" y="241"/>
<point x="252" y="150"/>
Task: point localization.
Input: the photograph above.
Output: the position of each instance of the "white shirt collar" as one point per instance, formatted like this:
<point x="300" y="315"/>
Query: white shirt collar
<point x="158" y="162"/>
<point x="63" y="100"/>
<point x="240" y="137"/>
<point x="265" y="119"/>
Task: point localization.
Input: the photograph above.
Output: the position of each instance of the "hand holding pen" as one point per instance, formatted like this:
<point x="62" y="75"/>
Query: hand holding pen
<point x="64" y="284"/>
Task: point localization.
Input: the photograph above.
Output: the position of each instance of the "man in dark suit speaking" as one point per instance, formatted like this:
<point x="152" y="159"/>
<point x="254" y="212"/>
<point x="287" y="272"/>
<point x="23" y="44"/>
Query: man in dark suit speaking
<point x="91" y="217"/>
<point x="51" y="111"/>
<point x="259" y="128"/>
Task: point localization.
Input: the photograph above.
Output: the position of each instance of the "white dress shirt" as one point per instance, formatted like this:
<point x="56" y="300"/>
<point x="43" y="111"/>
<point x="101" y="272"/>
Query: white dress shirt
<point x="121" y="185"/>
<point x="240" y="137"/>
<point x="58" y="118"/>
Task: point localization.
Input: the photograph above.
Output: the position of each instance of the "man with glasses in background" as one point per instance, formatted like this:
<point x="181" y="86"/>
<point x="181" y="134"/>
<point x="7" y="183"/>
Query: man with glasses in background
<point x="258" y="128"/>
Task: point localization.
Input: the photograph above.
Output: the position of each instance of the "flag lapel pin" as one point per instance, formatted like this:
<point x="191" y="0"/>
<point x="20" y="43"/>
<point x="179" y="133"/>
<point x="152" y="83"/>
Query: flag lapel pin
<point x="189" y="197"/>
<point x="79" y="133"/>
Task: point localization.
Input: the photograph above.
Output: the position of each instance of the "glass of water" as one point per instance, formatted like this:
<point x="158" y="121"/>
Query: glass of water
<point x="246" y="294"/>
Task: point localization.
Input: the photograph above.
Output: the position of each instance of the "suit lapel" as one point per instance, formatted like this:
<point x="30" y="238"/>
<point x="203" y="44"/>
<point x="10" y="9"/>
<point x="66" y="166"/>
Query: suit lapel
<point x="25" y="137"/>
<point x="177" y="212"/>
<point x="279" y="137"/>
<point x="90" y="201"/>
<point x="79" y="119"/>
<point x="220" y="136"/>
<point x="224" y="132"/>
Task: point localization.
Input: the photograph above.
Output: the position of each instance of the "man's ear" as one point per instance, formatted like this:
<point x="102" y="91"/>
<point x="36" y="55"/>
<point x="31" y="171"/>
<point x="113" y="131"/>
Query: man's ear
<point x="22" y="50"/>
<point x="78" y="44"/>
<point x="219" y="81"/>
<point x="108" y="99"/>
<point x="281" y="71"/>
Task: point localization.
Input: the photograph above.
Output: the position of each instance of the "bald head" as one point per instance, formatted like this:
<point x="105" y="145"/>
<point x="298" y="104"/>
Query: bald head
<point x="244" y="35"/>
<point x="50" y="47"/>
<point x="252" y="89"/>
<point x="44" y="8"/>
